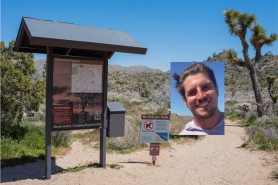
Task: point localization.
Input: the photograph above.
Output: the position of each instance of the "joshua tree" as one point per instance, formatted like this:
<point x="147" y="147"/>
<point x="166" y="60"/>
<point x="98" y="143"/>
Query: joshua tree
<point x="238" y="24"/>
<point x="270" y="79"/>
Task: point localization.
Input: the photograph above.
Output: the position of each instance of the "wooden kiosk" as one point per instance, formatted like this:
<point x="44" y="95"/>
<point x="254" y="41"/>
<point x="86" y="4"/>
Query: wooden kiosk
<point x="77" y="72"/>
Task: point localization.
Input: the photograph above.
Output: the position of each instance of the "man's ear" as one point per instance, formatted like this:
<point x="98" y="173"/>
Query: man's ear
<point x="184" y="101"/>
<point x="217" y="92"/>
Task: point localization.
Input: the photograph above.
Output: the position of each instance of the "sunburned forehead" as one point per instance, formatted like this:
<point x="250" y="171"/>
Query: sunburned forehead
<point x="195" y="80"/>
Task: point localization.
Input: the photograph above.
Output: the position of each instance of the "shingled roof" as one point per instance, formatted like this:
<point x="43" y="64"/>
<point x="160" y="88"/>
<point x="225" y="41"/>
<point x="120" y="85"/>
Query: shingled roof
<point x="35" y="35"/>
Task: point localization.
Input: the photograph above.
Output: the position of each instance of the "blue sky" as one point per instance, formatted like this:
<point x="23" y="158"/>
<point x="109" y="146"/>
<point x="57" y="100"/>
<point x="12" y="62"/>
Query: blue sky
<point x="177" y="105"/>
<point x="181" y="31"/>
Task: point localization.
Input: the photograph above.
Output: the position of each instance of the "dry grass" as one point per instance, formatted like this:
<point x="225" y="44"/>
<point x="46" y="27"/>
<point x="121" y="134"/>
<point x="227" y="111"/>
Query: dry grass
<point x="115" y="166"/>
<point x="62" y="151"/>
<point x="177" y="123"/>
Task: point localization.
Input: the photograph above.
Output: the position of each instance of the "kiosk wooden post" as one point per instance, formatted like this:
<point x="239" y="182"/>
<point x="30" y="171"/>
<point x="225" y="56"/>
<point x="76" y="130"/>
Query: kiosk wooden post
<point x="102" y="152"/>
<point x="48" y="123"/>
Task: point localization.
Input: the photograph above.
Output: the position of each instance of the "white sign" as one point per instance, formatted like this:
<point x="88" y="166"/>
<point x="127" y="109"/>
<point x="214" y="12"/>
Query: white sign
<point x="86" y="78"/>
<point x="155" y="128"/>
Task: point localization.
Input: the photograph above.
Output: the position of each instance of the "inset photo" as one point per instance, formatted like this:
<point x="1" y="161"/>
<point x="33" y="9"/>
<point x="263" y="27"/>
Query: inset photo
<point x="197" y="98"/>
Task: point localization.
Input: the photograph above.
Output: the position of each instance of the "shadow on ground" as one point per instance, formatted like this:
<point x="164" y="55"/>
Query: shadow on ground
<point x="31" y="170"/>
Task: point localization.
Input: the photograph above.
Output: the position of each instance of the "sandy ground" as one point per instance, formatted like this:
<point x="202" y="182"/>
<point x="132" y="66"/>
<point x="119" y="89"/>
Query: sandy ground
<point x="212" y="160"/>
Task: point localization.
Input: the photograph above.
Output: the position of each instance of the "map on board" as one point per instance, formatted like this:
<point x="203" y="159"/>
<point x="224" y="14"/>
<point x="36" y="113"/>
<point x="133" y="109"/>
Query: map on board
<point x="86" y="78"/>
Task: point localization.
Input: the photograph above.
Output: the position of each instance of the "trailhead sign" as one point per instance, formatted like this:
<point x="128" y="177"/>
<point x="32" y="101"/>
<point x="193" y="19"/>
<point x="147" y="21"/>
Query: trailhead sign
<point x="155" y="128"/>
<point x="77" y="93"/>
<point x="77" y="76"/>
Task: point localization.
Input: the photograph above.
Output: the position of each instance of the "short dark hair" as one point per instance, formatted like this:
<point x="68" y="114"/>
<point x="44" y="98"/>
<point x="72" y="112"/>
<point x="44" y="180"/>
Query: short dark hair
<point x="193" y="69"/>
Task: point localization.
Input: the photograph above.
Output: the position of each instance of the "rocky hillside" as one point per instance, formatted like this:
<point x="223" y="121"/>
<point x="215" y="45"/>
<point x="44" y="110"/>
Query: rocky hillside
<point x="238" y="79"/>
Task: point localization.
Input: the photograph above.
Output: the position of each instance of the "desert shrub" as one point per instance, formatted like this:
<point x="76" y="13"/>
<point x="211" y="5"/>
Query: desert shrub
<point x="234" y="114"/>
<point x="132" y="139"/>
<point x="61" y="138"/>
<point x="246" y="107"/>
<point x="150" y="106"/>
<point x="34" y="118"/>
<point x="115" y="99"/>
<point x="264" y="132"/>
<point x="25" y="139"/>
<point x="19" y="130"/>
<point x="251" y="116"/>
<point x="270" y="108"/>
<point x="145" y="93"/>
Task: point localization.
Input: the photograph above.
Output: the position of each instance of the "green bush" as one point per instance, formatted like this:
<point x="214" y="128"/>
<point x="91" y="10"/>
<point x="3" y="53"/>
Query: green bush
<point x="264" y="132"/>
<point x="61" y="138"/>
<point x="27" y="139"/>
<point x="145" y="93"/>
<point x="27" y="142"/>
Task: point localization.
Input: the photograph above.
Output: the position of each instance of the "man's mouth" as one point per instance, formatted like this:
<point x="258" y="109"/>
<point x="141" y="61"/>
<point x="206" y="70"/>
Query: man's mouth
<point x="203" y="104"/>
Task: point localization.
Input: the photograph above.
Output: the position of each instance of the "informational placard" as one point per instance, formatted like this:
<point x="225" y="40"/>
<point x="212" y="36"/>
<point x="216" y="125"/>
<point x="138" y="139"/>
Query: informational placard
<point x="77" y="93"/>
<point x="155" y="128"/>
<point x="154" y="148"/>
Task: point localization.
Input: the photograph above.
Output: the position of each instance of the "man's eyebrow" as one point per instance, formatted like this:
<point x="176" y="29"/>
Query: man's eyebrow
<point x="207" y="83"/>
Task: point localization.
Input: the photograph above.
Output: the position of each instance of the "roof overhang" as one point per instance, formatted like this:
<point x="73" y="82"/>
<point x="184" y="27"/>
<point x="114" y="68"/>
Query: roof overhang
<point x="35" y="35"/>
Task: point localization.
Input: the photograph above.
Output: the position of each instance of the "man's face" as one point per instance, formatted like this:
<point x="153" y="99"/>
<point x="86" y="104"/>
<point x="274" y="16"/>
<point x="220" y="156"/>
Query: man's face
<point x="201" y="95"/>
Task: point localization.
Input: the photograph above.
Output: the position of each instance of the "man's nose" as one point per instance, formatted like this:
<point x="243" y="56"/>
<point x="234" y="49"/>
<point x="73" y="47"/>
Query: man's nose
<point x="200" y="94"/>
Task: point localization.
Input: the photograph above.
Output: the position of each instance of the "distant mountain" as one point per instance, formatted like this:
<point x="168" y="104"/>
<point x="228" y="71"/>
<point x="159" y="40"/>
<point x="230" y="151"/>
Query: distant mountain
<point x="39" y="64"/>
<point x="133" y="69"/>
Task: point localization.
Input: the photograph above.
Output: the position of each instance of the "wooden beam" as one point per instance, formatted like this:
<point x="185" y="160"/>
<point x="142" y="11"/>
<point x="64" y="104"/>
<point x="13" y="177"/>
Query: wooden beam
<point x="68" y="52"/>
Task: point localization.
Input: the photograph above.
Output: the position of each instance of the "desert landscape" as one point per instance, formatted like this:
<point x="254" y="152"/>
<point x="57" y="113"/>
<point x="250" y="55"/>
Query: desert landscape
<point x="246" y="154"/>
<point x="209" y="160"/>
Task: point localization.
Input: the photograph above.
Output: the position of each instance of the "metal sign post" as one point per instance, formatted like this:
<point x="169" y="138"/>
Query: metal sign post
<point x="48" y="122"/>
<point x="154" y="159"/>
<point x="154" y="151"/>
<point x="102" y="152"/>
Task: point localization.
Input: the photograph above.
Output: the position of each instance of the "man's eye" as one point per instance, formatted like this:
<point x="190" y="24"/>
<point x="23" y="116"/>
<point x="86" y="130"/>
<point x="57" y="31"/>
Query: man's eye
<point x="206" y="87"/>
<point x="192" y="93"/>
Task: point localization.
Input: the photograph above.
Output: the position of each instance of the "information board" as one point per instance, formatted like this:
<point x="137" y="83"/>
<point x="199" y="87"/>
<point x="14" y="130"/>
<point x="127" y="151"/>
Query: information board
<point x="77" y="93"/>
<point x="155" y="128"/>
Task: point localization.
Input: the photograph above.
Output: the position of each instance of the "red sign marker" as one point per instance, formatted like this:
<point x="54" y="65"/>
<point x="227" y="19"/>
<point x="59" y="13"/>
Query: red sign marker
<point x="154" y="148"/>
<point x="148" y="125"/>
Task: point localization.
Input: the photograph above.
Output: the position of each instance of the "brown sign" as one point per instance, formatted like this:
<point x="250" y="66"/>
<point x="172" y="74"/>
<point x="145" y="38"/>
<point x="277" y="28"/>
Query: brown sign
<point x="61" y="114"/>
<point x="77" y="93"/>
<point x="154" y="148"/>
<point x="161" y="117"/>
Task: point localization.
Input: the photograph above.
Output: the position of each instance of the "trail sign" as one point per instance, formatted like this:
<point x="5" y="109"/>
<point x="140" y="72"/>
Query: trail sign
<point x="154" y="148"/>
<point x="154" y="158"/>
<point x="155" y="128"/>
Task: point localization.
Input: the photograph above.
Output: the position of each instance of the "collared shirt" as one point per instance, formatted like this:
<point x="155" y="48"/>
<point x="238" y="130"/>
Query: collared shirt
<point x="191" y="129"/>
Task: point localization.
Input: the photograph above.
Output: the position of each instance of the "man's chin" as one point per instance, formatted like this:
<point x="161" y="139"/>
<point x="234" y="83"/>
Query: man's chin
<point x="204" y="115"/>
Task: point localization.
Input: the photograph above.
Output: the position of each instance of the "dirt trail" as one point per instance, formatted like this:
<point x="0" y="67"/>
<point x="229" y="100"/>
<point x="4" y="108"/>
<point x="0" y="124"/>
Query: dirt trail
<point x="212" y="160"/>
